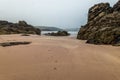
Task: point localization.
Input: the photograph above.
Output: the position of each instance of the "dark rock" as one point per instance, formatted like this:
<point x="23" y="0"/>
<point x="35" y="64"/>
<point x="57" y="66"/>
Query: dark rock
<point x="103" y="25"/>
<point x="116" y="44"/>
<point x="22" y="23"/>
<point x="3" y="22"/>
<point x="116" y="7"/>
<point x="98" y="11"/>
<point x="13" y="43"/>
<point x="59" y="33"/>
<point x="25" y="35"/>
<point x="17" y="28"/>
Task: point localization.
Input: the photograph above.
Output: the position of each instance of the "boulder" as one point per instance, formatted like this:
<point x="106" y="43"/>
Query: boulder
<point x="22" y="23"/>
<point x="59" y="33"/>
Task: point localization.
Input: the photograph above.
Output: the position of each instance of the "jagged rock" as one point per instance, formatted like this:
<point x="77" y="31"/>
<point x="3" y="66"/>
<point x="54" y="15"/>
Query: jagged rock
<point x="22" y="23"/>
<point x="103" y="25"/>
<point x="116" y="7"/>
<point x="98" y="11"/>
<point x="17" y="28"/>
<point x="59" y="33"/>
<point x="3" y="22"/>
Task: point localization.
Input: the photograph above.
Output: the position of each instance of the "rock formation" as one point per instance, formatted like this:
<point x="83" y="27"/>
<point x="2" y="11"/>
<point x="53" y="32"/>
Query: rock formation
<point x="103" y="26"/>
<point x="5" y="44"/>
<point x="59" y="33"/>
<point x="17" y="28"/>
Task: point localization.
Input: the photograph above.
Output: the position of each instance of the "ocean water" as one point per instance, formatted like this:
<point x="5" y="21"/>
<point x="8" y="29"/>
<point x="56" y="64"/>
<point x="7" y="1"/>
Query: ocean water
<point x="72" y="33"/>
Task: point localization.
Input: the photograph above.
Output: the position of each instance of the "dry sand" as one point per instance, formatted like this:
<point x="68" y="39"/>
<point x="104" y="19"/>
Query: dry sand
<point x="57" y="58"/>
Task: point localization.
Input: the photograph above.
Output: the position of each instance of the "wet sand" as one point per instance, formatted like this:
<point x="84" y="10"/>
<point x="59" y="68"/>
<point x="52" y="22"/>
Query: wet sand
<point x="58" y="58"/>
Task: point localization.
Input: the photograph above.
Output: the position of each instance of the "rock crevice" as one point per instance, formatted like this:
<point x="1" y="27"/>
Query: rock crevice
<point x="103" y="26"/>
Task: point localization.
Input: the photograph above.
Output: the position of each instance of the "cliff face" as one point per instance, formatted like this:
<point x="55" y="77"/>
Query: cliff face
<point x="103" y="26"/>
<point x="17" y="28"/>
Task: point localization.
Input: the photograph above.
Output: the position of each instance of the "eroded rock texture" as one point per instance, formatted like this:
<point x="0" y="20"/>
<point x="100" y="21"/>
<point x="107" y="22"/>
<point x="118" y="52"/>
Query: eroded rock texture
<point x="103" y="26"/>
<point x="17" y="28"/>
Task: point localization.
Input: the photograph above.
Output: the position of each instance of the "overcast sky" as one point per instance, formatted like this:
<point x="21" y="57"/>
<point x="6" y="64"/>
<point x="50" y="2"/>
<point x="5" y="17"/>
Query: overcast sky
<point x="59" y="13"/>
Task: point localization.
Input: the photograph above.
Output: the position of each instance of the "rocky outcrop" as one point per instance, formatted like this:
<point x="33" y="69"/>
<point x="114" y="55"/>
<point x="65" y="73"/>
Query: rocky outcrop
<point x="103" y="25"/>
<point x="98" y="11"/>
<point x="116" y="7"/>
<point x="59" y="33"/>
<point x="17" y="28"/>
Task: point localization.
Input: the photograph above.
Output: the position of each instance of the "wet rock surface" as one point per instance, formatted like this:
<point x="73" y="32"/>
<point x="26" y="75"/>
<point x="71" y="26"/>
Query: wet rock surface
<point x="59" y="33"/>
<point x="6" y="44"/>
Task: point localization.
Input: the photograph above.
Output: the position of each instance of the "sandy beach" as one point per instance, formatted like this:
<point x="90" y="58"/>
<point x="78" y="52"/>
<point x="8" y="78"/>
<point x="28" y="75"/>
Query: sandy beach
<point x="57" y="58"/>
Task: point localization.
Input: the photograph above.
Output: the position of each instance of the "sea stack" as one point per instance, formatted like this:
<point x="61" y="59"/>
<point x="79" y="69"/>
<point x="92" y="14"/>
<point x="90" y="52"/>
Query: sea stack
<point x="103" y="26"/>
